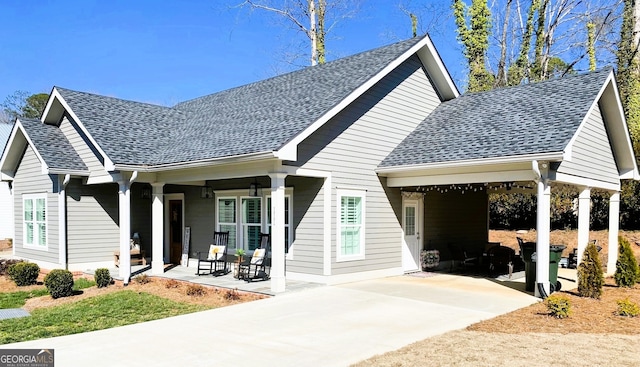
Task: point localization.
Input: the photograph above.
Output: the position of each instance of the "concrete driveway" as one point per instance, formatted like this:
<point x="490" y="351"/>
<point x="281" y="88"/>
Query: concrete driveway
<point x="322" y="326"/>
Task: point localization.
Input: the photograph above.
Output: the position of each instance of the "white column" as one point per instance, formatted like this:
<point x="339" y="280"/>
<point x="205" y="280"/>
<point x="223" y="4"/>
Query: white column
<point x="543" y="228"/>
<point x="157" y="228"/>
<point x="124" y="211"/>
<point x="584" y="211"/>
<point x="614" y="224"/>
<point x="278" y="281"/>
<point x="63" y="181"/>
<point x="326" y="191"/>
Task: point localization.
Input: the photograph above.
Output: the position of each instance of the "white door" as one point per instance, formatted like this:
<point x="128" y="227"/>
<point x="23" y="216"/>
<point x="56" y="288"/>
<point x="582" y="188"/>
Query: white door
<point x="411" y="244"/>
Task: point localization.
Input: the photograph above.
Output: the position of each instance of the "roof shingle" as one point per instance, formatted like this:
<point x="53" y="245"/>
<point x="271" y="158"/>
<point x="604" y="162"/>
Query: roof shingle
<point x="53" y="146"/>
<point x="528" y="119"/>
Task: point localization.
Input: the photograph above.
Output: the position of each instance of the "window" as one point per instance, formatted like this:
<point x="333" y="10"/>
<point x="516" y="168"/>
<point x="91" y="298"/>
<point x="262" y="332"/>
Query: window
<point x="35" y="220"/>
<point x="227" y="219"/>
<point x="251" y="222"/>
<point x="287" y="211"/>
<point x="351" y="213"/>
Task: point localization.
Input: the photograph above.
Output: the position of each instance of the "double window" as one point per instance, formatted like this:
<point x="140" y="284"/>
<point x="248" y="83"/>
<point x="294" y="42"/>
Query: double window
<point x="246" y="217"/>
<point x="351" y="225"/>
<point x="35" y="220"/>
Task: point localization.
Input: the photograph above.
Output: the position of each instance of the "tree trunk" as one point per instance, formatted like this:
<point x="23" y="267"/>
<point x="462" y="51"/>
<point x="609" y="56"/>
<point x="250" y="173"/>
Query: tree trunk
<point x="312" y="32"/>
<point x="501" y="78"/>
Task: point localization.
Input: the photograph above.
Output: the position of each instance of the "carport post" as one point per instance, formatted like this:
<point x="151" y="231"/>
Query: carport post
<point x="157" y="228"/>
<point x="614" y="224"/>
<point x="278" y="282"/>
<point x="543" y="227"/>
<point x="584" y="210"/>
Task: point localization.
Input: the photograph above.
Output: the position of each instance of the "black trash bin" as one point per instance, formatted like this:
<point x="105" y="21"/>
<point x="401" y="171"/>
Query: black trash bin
<point x="555" y="255"/>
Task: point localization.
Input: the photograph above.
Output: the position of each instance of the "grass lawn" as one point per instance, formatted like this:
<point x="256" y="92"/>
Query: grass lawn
<point x="95" y="313"/>
<point x="18" y="299"/>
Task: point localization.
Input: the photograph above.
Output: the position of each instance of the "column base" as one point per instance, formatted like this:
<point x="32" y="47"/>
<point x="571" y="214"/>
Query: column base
<point x="157" y="267"/>
<point x="278" y="284"/>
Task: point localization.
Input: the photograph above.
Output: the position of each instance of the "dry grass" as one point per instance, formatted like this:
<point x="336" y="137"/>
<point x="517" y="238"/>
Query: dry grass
<point x="166" y="288"/>
<point x="592" y="336"/>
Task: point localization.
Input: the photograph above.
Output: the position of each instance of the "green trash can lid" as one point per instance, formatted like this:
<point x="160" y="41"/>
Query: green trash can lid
<point x="557" y="248"/>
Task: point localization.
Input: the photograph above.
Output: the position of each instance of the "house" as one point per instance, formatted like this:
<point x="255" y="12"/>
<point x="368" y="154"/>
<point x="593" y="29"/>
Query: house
<point x="353" y="166"/>
<point x="6" y="199"/>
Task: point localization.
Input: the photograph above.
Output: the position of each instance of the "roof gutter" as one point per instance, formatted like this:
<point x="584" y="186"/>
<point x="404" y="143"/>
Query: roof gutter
<point x="196" y="164"/>
<point x="555" y="156"/>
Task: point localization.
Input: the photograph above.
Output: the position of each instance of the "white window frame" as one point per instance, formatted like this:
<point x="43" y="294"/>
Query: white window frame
<point x="340" y="193"/>
<point x="238" y="195"/>
<point x="242" y="224"/>
<point x="34" y="198"/>
<point x="287" y="227"/>
<point x="217" y="201"/>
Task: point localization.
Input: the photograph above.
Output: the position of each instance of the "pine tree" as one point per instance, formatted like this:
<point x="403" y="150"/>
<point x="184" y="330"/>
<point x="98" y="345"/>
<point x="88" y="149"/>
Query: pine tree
<point x="590" y="275"/>
<point x="626" y="266"/>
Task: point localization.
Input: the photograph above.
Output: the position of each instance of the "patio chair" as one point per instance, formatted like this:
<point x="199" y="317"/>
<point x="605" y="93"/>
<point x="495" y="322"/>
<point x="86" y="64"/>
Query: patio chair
<point x="256" y="266"/>
<point x="215" y="261"/>
<point x="461" y="258"/>
<point x="501" y="260"/>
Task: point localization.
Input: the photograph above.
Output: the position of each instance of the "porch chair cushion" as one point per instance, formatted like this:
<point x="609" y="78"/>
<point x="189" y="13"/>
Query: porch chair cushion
<point x="258" y="256"/>
<point x="216" y="252"/>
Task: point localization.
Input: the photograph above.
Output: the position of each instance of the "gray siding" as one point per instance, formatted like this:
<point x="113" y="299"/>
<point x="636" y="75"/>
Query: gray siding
<point x="82" y="145"/>
<point x="30" y="180"/>
<point x="141" y="216"/>
<point x="592" y="157"/>
<point x="308" y="221"/>
<point x="456" y="218"/>
<point x="199" y="214"/>
<point x="93" y="233"/>
<point x="352" y="145"/>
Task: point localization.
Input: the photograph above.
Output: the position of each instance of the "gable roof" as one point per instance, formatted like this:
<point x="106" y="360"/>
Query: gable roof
<point x="255" y="119"/>
<point x="5" y="132"/>
<point x="527" y="120"/>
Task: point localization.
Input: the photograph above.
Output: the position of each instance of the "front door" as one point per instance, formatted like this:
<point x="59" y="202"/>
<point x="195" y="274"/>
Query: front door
<point x="411" y="244"/>
<point x="175" y="231"/>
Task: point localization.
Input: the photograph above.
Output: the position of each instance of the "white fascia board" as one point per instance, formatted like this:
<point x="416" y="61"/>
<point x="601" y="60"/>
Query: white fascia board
<point x="471" y="163"/>
<point x="288" y="149"/>
<point x="56" y="171"/>
<point x="585" y="182"/>
<point x="10" y="142"/>
<point x="438" y="72"/>
<point x="19" y="127"/>
<point x="108" y="164"/>
<point x="461" y="178"/>
<point x="196" y="164"/>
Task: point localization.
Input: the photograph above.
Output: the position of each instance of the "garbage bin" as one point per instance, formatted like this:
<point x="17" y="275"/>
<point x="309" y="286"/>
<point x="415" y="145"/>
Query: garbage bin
<point x="526" y="250"/>
<point x="555" y="255"/>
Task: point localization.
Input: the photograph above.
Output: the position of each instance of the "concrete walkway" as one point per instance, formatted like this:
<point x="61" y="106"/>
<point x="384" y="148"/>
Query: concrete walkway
<point x="322" y="326"/>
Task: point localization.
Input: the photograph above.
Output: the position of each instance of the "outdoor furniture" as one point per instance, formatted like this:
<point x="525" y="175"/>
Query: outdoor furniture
<point x="137" y="257"/>
<point x="460" y="257"/>
<point x="256" y="266"/>
<point x="501" y="260"/>
<point x="215" y="261"/>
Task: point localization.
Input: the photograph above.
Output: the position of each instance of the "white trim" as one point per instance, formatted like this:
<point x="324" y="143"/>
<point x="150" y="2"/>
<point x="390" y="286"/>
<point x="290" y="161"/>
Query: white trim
<point x="63" y="181"/>
<point x="472" y="162"/>
<point x="362" y="194"/>
<point x="34" y="197"/>
<point x="416" y="202"/>
<point x="289" y="150"/>
<point x="242" y="224"/>
<point x="461" y="178"/>
<point x="235" y="223"/>
<point x="242" y="158"/>
<point x="581" y="181"/>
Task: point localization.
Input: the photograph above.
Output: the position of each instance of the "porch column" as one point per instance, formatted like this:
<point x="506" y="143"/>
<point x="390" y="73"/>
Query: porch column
<point x="584" y="211"/>
<point x="124" y="212"/>
<point x="614" y="224"/>
<point x="278" y="282"/>
<point x="157" y="228"/>
<point x="543" y="227"/>
<point x="63" y="181"/>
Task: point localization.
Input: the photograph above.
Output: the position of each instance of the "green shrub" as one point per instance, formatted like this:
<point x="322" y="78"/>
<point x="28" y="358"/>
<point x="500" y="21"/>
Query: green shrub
<point x="102" y="277"/>
<point x="24" y="273"/>
<point x="627" y="266"/>
<point x="627" y="308"/>
<point x="590" y="275"/>
<point x="59" y="283"/>
<point x="558" y="305"/>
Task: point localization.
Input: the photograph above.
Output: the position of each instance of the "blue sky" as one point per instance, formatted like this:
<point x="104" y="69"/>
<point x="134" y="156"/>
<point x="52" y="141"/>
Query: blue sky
<point x="164" y="52"/>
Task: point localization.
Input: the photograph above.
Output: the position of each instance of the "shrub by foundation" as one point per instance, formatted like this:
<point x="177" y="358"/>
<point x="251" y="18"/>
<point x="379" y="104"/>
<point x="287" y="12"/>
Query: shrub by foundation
<point x="590" y="275"/>
<point x="558" y="305"/>
<point x="626" y="266"/>
<point x="102" y="277"/>
<point x="232" y="295"/>
<point x="196" y="290"/>
<point x="142" y="279"/>
<point x="627" y="308"/>
<point x="59" y="283"/>
<point x="24" y="273"/>
<point x="171" y="284"/>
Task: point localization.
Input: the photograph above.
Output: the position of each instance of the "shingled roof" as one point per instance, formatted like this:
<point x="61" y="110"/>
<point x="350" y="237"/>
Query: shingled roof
<point x="522" y="120"/>
<point x="255" y="118"/>
<point x="52" y="145"/>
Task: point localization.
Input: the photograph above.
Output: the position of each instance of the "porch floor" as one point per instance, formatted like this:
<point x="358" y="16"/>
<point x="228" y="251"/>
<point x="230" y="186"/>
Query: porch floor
<point x="188" y="274"/>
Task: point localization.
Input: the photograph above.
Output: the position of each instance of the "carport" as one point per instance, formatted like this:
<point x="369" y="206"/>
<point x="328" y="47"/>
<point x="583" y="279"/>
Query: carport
<point x="530" y="137"/>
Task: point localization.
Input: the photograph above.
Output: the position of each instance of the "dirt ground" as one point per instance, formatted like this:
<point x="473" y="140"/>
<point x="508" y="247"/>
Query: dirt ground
<point x="175" y="290"/>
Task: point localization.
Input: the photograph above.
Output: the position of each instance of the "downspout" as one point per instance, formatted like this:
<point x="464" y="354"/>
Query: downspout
<point x="62" y="222"/>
